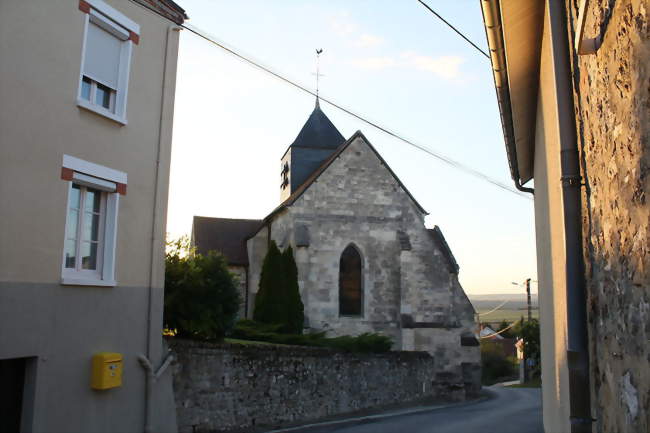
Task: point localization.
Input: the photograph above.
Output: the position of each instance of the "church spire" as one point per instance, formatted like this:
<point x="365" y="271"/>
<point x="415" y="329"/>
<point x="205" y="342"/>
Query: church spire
<point x="318" y="74"/>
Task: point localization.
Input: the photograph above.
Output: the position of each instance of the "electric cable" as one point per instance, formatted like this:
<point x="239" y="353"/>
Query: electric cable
<point x="503" y="330"/>
<point x="494" y="309"/>
<point x="454" y="28"/>
<point x="447" y="160"/>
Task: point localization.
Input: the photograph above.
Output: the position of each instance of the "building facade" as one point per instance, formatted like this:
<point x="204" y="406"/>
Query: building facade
<point x="87" y="93"/>
<point x="572" y="83"/>
<point x="366" y="262"/>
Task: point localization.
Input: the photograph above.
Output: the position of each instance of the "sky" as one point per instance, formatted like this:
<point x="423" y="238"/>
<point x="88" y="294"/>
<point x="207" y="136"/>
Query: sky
<point x="391" y="61"/>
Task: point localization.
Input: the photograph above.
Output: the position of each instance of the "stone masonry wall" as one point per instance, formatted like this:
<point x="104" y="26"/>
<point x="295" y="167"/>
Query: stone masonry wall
<point x="612" y="102"/>
<point x="222" y="387"/>
<point x="240" y="273"/>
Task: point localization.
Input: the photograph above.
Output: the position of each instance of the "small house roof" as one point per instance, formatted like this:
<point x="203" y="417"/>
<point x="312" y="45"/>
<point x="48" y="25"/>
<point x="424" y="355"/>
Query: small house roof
<point x="226" y="235"/>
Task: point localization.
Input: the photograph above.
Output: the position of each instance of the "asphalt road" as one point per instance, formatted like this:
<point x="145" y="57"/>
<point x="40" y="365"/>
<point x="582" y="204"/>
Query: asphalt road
<point x="510" y="410"/>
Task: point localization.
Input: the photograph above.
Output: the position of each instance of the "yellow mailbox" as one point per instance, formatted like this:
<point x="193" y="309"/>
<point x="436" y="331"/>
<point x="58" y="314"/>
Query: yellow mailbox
<point x="106" y="370"/>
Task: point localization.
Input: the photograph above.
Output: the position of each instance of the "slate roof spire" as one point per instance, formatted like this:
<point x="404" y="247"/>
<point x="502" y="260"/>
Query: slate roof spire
<point x="318" y="132"/>
<point x="315" y="142"/>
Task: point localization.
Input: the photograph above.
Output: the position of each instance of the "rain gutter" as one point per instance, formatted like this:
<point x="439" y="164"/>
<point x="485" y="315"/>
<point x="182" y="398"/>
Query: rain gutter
<point x="494" y="33"/>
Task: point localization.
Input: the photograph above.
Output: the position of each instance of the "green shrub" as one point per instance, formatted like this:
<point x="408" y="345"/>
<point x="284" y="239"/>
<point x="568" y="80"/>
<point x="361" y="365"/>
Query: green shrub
<point x="201" y="296"/>
<point x="295" y="307"/>
<point x="364" y="343"/>
<point x="270" y="300"/>
<point x="278" y="298"/>
<point x="529" y="331"/>
<point x="495" y="365"/>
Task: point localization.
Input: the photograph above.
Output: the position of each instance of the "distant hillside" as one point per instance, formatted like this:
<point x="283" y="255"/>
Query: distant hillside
<point x="510" y="311"/>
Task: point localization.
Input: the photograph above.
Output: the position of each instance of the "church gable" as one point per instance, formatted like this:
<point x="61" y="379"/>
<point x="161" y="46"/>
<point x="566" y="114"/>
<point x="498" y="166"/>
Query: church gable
<point x="355" y="171"/>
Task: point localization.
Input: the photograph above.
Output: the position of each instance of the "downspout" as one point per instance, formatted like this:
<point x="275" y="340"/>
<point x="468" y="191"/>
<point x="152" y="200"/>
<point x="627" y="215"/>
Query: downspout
<point x="145" y="361"/>
<point x="152" y="378"/>
<point x="577" y="337"/>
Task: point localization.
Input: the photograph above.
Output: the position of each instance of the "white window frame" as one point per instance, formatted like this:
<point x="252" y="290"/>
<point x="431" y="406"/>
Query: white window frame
<point x="120" y="26"/>
<point x="104" y="179"/>
<point x="78" y="271"/>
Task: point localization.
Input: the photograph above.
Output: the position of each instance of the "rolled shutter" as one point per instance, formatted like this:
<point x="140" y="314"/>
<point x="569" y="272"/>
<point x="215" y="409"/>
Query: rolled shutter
<point x="102" y="60"/>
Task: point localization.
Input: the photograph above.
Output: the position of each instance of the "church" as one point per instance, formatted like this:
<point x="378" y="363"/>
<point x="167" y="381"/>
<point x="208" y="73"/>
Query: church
<point x="366" y="262"/>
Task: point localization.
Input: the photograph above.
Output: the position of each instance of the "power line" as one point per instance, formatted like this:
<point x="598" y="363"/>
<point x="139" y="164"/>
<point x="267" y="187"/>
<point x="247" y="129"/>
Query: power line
<point x="443" y="158"/>
<point x="495" y="309"/>
<point x="501" y="331"/>
<point x="454" y="29"/>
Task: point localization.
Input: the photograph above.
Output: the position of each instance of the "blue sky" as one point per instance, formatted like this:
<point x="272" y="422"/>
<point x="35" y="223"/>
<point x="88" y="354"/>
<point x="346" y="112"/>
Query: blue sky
<point x="391" y="61"/>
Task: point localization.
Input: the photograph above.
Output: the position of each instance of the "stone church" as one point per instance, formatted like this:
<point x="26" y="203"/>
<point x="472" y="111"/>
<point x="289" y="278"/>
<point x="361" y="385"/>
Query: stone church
<point x="366" y="262"/>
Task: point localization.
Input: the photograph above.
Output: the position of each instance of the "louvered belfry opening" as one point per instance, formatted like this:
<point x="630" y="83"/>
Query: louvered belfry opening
<point x="350" y="282"/>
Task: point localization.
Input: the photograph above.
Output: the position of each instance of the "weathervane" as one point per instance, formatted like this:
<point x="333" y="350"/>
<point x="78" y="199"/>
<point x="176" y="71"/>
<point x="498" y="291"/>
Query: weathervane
<point x="318" y="74"/>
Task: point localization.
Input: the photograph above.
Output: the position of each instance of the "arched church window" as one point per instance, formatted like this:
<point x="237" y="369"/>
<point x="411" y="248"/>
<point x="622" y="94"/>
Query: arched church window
<point x="350" y="282"/>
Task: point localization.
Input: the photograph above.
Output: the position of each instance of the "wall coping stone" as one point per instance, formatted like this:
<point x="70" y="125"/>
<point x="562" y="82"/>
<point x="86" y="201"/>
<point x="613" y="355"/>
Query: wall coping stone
<point x="254" y="350"/>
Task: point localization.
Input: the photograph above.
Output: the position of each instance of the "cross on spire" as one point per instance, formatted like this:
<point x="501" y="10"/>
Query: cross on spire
<point x="318" y="74"/>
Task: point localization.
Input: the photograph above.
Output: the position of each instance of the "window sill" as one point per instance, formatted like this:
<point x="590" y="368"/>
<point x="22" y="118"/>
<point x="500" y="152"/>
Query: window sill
<point x="350" y="316"/>
<point x="101" y="111"/>
<point x="71" y="281"/>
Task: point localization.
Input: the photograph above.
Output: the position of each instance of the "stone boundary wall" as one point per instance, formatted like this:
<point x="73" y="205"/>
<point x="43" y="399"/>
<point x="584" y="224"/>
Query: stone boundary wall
<point x="221" y="387"/>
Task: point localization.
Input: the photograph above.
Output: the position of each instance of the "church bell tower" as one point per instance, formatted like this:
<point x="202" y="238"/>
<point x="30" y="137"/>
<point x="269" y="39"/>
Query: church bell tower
<point x="315" y="142"/>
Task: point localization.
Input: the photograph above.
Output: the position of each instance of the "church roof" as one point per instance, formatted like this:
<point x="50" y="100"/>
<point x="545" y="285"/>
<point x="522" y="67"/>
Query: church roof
<point x="318" y="132"/>
<point x="228" y="236"/>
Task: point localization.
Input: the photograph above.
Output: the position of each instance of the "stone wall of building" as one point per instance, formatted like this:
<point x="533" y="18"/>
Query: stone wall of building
<point x="240" y="273"/>
<point x="612" y="103"/>
<point x="257" y="247"/>
<point x="222" y="387"/>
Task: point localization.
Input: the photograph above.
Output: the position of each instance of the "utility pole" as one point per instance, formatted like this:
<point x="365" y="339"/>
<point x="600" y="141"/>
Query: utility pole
<point x="528" y="296"/>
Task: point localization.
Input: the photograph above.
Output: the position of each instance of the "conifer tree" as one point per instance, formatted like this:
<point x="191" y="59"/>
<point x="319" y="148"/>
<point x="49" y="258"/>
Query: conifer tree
<point x="278" y="298"/>
<point x="270" y="305"/>
<point x="295" y="307"/>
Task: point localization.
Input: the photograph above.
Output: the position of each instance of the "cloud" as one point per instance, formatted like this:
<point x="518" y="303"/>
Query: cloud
<point x="375" y="63"/>
<point x="368" y="41"/>
<point x="447" y="67"/>
<point x="342" y="24"/>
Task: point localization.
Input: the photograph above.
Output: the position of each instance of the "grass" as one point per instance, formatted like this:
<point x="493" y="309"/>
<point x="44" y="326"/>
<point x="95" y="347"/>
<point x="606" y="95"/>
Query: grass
<point x="535" y="383"/>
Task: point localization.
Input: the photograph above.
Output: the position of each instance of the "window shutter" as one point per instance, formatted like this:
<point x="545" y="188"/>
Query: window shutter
<point x="102" y="61"/>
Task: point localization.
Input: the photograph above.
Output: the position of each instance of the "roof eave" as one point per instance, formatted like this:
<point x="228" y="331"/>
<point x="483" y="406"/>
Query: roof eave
<point x="513" y="30"/>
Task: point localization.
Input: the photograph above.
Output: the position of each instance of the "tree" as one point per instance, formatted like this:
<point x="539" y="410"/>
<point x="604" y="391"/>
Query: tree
<point x="530" y="333"/>
<point x="278" y="298"/>
<point x="503" y="325"/>
<point x="201" y="296"/>
<point x="270" y="305"/>
<point x="295" y="307"/>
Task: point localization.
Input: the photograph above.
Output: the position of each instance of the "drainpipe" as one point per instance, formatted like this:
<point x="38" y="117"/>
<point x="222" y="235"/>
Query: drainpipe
<point x="152" y="333"/>
<point x="152" y="378"/>
<point x="577" y="339"/>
